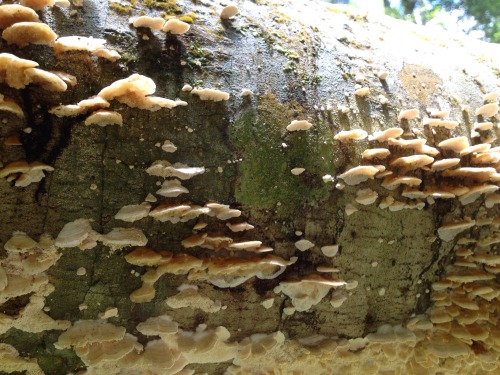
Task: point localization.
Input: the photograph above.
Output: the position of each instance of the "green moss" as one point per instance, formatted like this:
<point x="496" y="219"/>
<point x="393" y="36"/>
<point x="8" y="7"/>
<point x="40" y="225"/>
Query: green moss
<point x="169" y="6"/>
<point x="120" y="8"/>
<point x="188" y="18"/>
<point x="265" y="179"/>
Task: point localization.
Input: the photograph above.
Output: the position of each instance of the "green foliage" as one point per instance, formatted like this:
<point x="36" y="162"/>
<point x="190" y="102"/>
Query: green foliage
<point x="486" y="13"/>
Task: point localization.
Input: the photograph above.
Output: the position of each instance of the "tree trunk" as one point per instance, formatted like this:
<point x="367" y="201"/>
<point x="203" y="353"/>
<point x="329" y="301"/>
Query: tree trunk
<point x="302" y="61"/>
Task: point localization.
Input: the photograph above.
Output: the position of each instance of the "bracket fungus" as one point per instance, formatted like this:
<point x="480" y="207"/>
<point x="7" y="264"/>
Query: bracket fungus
<point x="103" y="117"/>
<point x="487" y="110"/>
<point x="229" y="12"/>
<point x="134" y="212"/>
<point x="296" y="125"/>
<point x="354" y="134"/>
<point x="14" y="13"/>
<point x="87" y="44"/>
<point x="163" y="168"/>
<point x="172" y="188"/>
<point x="210" y="94"/>
<point x="10" y="105"/>
<point x="408" y="114"/>
<point x="176" y="27"/>
<point x="308" y="291"/>
<point x="153" y="23"/>
<point x="359" y="174"/>
<point x="25" y="33"/>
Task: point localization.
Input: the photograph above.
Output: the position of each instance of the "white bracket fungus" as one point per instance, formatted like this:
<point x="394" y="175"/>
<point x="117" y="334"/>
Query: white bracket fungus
<point x="228" y="12"/>
<point x="308" y="291"/>
<point x="189" y="296"/>
<point x="14" y="13"/>
<point x="346" y="135"/>
<point x="168" y="146"/>
<point x="10" y="105"/>
<point x="359" y="174"/>
<point x="297" y="171"/>
<point x="330" y="250"/>
<point x="133" y="212"/>
<point x="299" y="125"/>
<point x="304" y="245"/>
<point x="81" y="43"/>
<point x="384" y="135"/>
<point x="448" y="231"/>
<point x="408" y="114"/>
<point x="172" y="189"/>
<point x="25" y="33"/>
<point x="487" y="110"/>
<point x="362" y="92"/>
<point x="28" y="172"/>
<point x="163" y="168"/>
<point x="154" y="23"/>
<point x="211" y="94"/>
<point x="176" y="27"/>
<point x="103" y="117"/>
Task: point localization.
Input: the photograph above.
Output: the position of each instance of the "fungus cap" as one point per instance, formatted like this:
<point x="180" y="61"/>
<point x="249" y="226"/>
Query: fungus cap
<point x="330" y="250"/>
<point x="229" y="12"/>
<point x="74" y="233"/>
<point x="297" y="171"/>
<point x="491" y="96"/>
<point x="154" y="23"/>
<point x="133" y="212"/>
<point x="482" y="126"/>
<point x="443" y="164"/>
<point x="24" y="33"/>
<point x="359" y="174"/>
<point x="412" y="162"/>
<point x="211" y="94"/>
<point x="448" y="231"/>
<point x="392" y="182"/>
<point x="239" y="227"/>
<point x="362" y="92"/>
<point x="246" y="92"/>
<point x="487" y="110"/>
<point x="375" y="153"/>
<point x="103" y="117"/>
<point x="176" y="27"/>
<point x="384" y="135"/>
<point x="136" y="84"/>
<point x="366" y="196"/>
<point x="119" y="238"/>
<point x="172" y="188"/>
<point x="163" y="168"/>
<point x="7" y="104"/>
<point x="296" y="125"/>
<point x="168" y="146"/>
<point x="356" y="134"/>
<point x="456" y="144"/>
<point x="434" y="112"/>
<point x="19" y="242"/>
<point x="304" y="245"/>
<point x="14" y="13"/>
<point x="49" y="81"/>
<point x="408" y="114"/>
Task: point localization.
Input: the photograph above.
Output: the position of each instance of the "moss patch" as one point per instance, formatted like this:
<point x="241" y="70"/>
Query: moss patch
<point x="269" y="152"/>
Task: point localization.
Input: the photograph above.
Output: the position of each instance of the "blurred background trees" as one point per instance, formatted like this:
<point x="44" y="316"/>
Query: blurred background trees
<point x="476" y="18"/>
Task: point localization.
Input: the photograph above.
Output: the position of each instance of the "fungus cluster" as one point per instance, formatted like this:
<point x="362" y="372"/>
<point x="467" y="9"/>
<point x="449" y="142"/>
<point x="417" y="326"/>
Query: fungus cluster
<point x="79" y="233"/>
<point x="135" y="91"/>
<point x="24" y="173"/>
<point x="23" y="273"/>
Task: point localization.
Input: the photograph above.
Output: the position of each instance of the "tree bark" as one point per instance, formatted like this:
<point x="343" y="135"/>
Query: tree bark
<point x="302" y="61"/>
